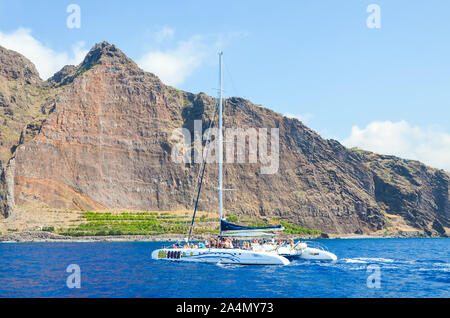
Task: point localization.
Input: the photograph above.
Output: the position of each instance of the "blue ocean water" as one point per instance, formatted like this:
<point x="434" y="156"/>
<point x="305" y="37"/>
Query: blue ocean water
<point x="407" y="268"/>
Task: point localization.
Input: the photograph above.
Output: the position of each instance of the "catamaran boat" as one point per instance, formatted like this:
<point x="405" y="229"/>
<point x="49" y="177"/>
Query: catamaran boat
<point x="253" y="253"/>
<point x="195" y="253"/>
<point x="301" y="249"/>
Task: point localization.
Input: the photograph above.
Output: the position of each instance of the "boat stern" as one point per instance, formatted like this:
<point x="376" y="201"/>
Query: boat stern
<point x="284" y="261"/>
<point x="318" y="254"/>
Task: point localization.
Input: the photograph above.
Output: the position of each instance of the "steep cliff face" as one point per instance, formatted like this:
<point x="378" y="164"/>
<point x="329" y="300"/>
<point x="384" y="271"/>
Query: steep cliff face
<point x="100" y="137"/>
<point x="412" y="190"/>
<point x="102" y="146"/>
<point x="23" y="104"/>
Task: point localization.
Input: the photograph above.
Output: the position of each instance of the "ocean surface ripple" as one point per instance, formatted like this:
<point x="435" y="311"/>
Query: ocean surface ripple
<point x="407" y="268"/>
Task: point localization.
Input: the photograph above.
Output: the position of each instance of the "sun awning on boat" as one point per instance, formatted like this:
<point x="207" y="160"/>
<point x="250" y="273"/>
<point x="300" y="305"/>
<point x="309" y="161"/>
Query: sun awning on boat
<point x="230" y="229"/>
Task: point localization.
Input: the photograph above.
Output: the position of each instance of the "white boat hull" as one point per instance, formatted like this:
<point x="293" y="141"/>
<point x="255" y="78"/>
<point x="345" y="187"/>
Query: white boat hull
<point x="317" y="254"/>
<point x="307" y="253"/>
<point x="302" y="251"/>
<point x="219" y="256"/>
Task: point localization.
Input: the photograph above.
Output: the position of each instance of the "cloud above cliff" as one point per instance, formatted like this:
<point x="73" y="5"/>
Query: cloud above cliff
<point x="429" y="145"/>
<point x="164" y="33"/>
<point x="304" y="118"/>
<point x="173" y="66"/>
<point x="46" y="60"/>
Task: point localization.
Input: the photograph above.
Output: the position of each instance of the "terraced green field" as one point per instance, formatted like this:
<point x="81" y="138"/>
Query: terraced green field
<point x="152" y="223"/>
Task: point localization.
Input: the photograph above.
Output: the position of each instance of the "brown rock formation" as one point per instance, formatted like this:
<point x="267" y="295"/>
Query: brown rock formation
<point x="97" y="135"/>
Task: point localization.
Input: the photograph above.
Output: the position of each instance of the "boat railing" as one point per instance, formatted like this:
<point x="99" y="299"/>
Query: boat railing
<point x="316" y="245"/>
<point x="171" y="245"/>
<point x="168" y="245"/>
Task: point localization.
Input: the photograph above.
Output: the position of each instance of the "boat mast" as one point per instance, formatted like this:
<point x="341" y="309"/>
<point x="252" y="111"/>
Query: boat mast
<point x="220" y="141"/>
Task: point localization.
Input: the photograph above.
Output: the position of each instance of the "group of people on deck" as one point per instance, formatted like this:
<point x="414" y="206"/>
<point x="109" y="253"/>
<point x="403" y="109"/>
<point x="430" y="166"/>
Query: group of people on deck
<point x="212" y="243"/>
<point x="228" y="243"/>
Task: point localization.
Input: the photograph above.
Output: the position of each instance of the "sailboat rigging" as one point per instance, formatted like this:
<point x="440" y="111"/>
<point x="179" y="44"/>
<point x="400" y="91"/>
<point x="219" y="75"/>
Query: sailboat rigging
<point x="222" y="250"/>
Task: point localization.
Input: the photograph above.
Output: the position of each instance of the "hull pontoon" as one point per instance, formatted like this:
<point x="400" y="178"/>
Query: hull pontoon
<point x="301" y="250"/>
<point x="219" y="256"/>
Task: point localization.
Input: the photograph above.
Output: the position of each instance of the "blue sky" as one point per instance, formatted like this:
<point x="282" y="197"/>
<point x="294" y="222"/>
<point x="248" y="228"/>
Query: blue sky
<point x="386" y="89"/>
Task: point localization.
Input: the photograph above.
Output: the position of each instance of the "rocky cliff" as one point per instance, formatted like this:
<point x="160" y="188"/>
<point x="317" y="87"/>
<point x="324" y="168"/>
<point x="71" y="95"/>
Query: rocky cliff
<point x="97" y="136"/>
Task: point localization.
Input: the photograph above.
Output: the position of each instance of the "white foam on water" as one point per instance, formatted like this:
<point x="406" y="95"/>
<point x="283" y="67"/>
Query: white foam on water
<point x="358" y="268"/>
<point x="365" y="260"/>
<point x="392" y="267"/>
<point x="442" y="265"/>
<point x="376" y="260"/>
<point x="228" y="266"/>
<point x="436" y="268"/>
<point x="353" y="260"/>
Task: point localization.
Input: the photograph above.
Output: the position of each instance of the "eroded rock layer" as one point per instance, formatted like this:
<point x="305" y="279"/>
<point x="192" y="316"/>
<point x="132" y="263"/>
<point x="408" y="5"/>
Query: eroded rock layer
<point x="98" y="135"/>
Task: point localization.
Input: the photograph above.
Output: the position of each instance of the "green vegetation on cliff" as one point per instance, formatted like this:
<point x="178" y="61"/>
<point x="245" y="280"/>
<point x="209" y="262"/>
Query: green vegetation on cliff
<point x="152" y="223"/>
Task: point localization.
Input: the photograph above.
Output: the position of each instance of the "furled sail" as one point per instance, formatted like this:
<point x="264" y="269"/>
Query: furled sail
<point x="230" y="229"/>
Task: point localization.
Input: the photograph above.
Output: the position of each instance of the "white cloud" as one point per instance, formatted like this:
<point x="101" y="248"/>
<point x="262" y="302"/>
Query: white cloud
<point x="428" y="145"/>
<point x="175" y="65"/>
<point x="302" y="117"/>
<point x="164" y="33"/>
<point x="46" y="60"/>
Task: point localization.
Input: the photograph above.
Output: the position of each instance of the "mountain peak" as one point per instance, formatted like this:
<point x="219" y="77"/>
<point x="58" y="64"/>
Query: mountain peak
<point x="101" y="53"/>
<point x="105" y="53"/>
<point x="16" y="66"/>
